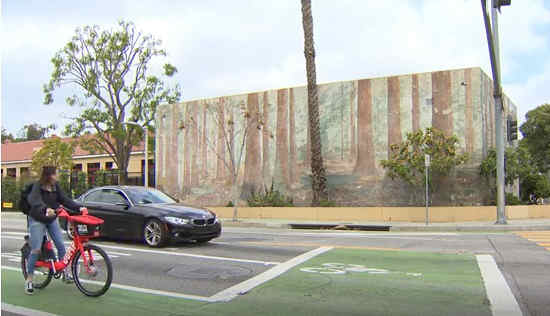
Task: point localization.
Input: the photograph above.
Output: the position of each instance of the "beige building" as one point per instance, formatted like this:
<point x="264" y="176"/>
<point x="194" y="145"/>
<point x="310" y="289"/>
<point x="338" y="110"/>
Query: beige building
<point x="17" y="159"/>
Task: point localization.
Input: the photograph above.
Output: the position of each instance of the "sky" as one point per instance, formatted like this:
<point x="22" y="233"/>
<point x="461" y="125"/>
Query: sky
<point x="226" y="47"/>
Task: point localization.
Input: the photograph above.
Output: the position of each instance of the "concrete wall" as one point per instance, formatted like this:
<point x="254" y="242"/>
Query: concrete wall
<point x="360" y="119"/>
<point x="385" y="214"/>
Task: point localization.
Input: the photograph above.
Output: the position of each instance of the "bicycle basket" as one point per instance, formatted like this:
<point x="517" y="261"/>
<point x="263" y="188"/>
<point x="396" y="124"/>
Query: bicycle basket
<point x="87" y="225"/>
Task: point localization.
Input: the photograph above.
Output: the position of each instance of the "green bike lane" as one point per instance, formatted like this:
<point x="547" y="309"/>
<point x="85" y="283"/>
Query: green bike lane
<point x="340" y="281"/>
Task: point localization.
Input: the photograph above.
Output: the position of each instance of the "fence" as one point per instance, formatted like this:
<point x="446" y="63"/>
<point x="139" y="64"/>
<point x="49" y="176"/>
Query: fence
<point x="73" y="183"/>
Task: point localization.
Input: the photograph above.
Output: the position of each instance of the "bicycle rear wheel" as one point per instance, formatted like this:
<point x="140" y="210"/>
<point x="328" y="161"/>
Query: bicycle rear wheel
<point x="93" y="277"/>
<point x="42" y="276"/>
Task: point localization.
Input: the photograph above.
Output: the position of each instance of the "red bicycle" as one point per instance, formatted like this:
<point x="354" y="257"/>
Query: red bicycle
<point x="90" y="265"/>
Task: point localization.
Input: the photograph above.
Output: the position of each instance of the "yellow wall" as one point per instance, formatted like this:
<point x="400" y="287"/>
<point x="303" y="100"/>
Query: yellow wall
<point x="386" y="214"/>
<point x="134" y="163"/>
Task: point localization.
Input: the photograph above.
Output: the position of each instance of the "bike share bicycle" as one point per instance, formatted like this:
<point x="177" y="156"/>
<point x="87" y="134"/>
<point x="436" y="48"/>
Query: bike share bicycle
<point x="90" y="265"/>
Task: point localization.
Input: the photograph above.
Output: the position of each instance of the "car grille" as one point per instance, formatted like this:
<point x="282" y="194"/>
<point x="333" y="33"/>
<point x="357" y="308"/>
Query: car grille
<point x="202" y="222"/>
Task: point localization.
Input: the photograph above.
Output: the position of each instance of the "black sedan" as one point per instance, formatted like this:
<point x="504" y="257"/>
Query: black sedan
<point x="147" y="214"/>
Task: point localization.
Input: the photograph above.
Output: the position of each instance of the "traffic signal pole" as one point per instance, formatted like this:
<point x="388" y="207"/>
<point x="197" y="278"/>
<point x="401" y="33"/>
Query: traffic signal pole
<point x="491" y="28"/>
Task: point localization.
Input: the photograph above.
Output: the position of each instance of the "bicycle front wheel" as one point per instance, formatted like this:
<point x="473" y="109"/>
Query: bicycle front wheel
<point x="92" y="271"/>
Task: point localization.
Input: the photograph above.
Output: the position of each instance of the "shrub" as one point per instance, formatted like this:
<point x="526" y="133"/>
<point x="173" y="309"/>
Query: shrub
<point x="269" y="197"/>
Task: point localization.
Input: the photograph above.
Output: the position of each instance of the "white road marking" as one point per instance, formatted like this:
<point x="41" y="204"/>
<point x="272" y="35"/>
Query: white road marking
<point x="181" y="254"/>
<point x="503" y="302"/>
<point x="229" y="293"/>
<point x="23" y="310"/>
<point x="135" y="289"/>
<point x="243" y="287"/>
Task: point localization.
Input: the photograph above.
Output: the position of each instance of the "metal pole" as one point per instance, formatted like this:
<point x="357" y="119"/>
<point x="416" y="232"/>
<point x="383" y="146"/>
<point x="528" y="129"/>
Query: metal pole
<point x="501" y="200"/>
<point x="427" y="163"/>
<point x="146" y="157"/>
<point x="427" y="212"/>
<point x="491" y="29"/>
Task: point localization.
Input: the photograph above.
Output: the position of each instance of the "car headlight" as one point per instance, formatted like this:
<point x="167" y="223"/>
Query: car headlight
<point x="176" y="220"/>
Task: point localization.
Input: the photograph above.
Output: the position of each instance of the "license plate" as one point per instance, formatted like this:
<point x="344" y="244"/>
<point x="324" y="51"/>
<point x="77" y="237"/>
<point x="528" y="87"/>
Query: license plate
<point x="82" y="229"/>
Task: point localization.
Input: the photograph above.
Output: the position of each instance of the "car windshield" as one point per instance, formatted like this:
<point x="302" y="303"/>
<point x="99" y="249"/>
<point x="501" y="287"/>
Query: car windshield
<point x="149" y="196"/>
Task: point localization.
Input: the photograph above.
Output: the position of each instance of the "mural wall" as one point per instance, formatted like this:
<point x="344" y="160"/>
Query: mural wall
<point x="199" y="142"/>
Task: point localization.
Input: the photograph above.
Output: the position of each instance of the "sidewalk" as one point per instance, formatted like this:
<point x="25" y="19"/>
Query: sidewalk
<point x="513" y="225"/>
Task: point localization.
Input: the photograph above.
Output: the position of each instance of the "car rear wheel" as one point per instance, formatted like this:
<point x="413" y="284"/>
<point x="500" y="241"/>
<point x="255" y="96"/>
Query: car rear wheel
<point x="155" y="233"/>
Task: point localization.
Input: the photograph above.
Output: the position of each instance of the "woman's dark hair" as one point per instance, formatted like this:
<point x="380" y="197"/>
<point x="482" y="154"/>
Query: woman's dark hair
<point x="47" y="172"/>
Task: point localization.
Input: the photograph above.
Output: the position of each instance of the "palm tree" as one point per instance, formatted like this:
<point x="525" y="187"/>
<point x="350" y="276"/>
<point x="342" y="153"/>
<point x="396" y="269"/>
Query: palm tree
<point x="318" y="174"/>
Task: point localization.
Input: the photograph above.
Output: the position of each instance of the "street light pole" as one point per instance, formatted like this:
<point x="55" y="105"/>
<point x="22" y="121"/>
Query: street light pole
<point x="491" y="30"/>
<point x="427" y="165"/>
<point x="146" y="149"/>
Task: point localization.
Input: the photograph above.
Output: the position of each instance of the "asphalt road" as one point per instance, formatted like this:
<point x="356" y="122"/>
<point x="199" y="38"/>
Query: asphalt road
<point x="241" y="253"/>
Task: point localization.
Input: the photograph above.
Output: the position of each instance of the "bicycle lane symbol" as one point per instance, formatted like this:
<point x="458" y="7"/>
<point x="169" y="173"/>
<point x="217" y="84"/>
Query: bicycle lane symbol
<point x="343" y="268"/>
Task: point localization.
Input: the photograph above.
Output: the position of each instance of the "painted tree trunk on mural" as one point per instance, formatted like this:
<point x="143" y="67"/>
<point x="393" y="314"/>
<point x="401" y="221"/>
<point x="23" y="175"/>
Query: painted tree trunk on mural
<point x="231" y="149"/>
<point x="442" y="114"/>
<point x="365" y="147"/>
<point x="353" y="141"/>
<point x="292" y="137"/>
<point x="266" y="135"/>
<point x="187" y="149"/>
<point x="195" y="143"/>
<point x="415" y="104"/>
<point x="281" y="174"/>
<point x="394" y="112"/>
<point x="173" y="149"/>
<point x="220" y="142"/>
<point x="342" y="123"/>
<point x="469" y="111"/>
<point x="204" y="144"/>
<point x="253" y="161"/>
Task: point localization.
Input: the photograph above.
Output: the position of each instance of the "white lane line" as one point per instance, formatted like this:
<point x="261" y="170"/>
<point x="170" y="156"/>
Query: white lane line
<point x="244" y="287"/>
<point x="503" y="302"/>
<point x="180" y="254"/>
<point x="23" y="310"/>
<point x="139" y="289"/>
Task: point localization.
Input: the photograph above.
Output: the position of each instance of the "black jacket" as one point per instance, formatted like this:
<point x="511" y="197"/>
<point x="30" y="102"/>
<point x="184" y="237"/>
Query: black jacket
<point x="40" y="199"/>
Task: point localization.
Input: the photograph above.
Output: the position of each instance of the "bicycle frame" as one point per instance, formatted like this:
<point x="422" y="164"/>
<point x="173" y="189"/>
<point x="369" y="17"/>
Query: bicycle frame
<point x="76" y="247"/>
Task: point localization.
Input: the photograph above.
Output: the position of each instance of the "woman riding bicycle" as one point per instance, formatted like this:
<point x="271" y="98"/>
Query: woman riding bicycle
<point x="46" y="196"/>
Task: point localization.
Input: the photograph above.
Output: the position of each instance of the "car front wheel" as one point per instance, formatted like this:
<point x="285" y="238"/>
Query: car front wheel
<point x="155" y="233"/>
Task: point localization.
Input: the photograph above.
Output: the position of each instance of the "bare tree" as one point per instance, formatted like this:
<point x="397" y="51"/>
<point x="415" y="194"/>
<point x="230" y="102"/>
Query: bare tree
<point x="234" y="123"/>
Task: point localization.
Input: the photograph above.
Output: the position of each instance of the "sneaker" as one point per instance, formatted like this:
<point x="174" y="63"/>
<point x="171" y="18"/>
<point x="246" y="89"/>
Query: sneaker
<point x="29" y="289"/>
<point x="67" y="277"/>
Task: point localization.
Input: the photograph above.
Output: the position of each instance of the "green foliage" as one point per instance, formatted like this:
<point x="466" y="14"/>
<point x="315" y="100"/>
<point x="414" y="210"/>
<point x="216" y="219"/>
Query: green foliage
<point x="81" y="184"/>
<point x="327" y="203"/>
<point x="536" y="135"/>
<point x="54" y="152"/>
<point x="229" y="204"/>
<point x="35" y="132"/>
<point x="6" y="136"/>
<point x="269" y="197"/>
<point x="521" y="165"/>
<point x="10" y="192"/>
<point x="511" y="199"/>
<point x="111" y="69"/>
<point x="407" y="160"/>
<point x="533" y="187"/>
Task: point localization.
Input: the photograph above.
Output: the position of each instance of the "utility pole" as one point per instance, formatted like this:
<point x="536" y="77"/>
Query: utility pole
<point x="427" y="165"/>
<point x="491" y="30"/>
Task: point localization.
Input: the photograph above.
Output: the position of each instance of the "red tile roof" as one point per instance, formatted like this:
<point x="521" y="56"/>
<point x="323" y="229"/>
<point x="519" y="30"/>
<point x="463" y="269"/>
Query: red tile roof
<point x="23" y="151"/>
